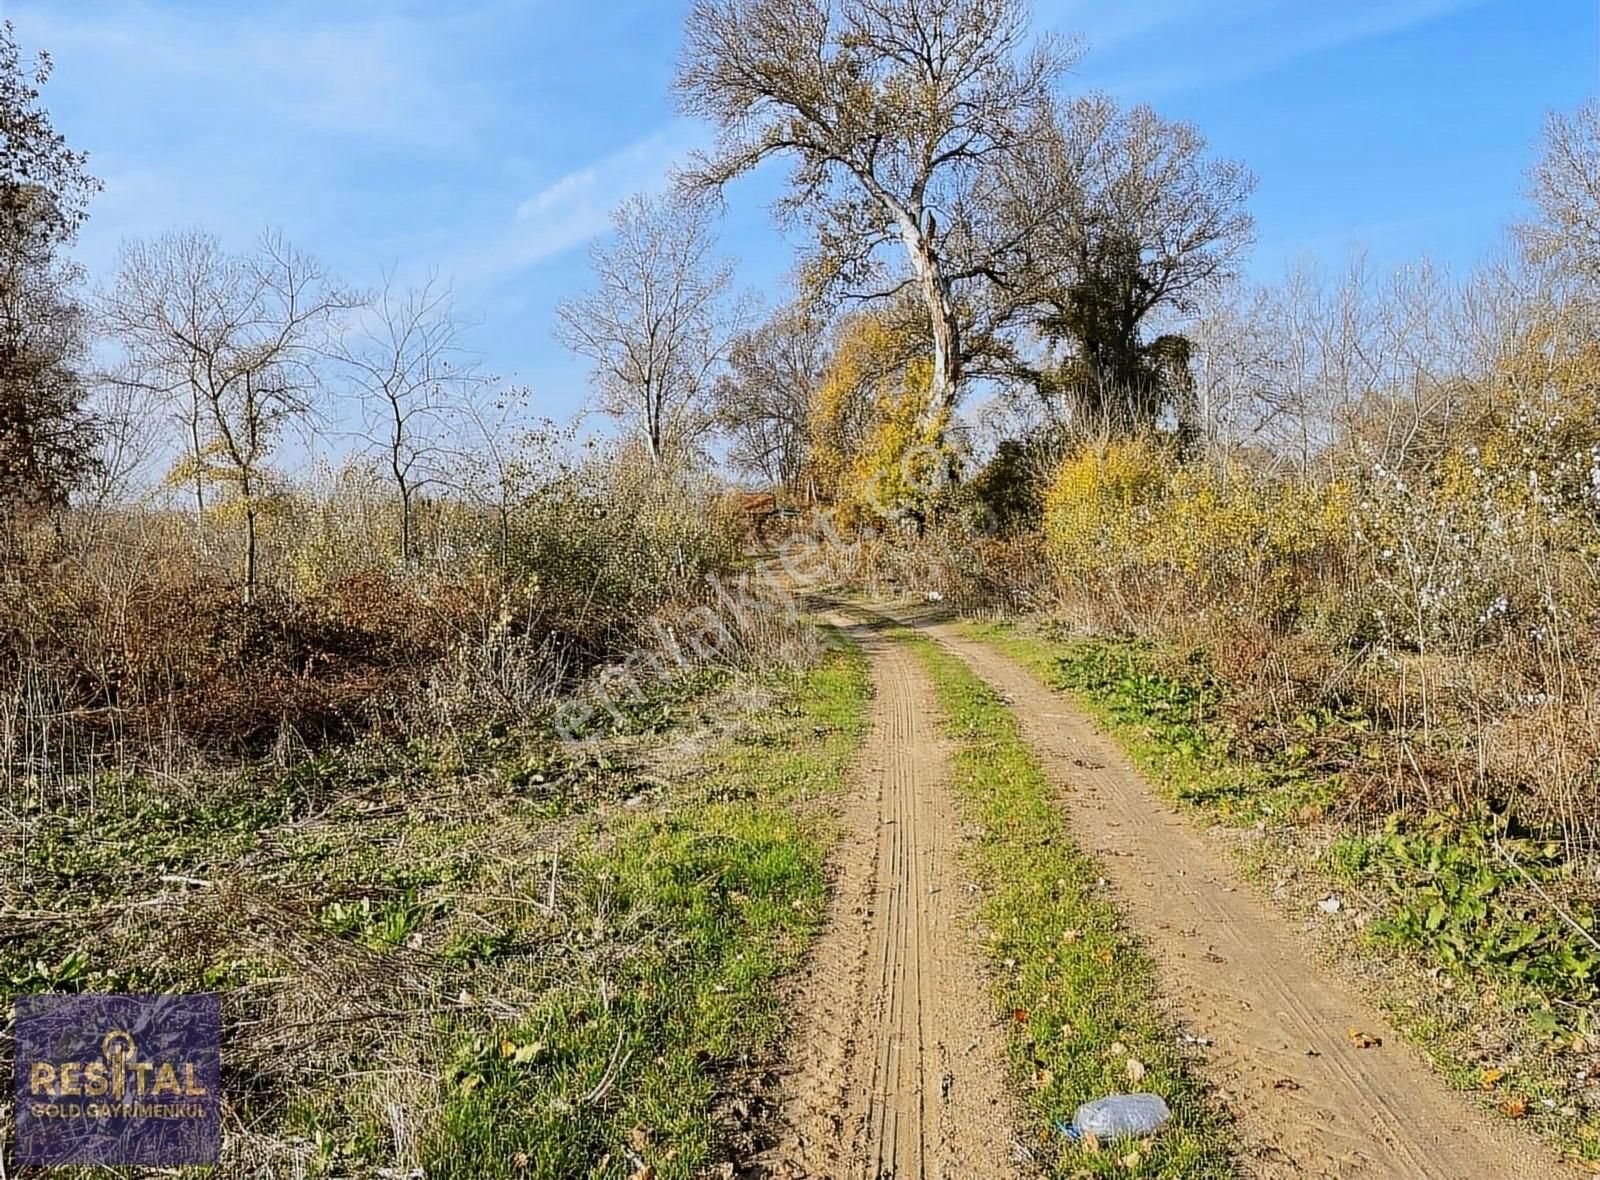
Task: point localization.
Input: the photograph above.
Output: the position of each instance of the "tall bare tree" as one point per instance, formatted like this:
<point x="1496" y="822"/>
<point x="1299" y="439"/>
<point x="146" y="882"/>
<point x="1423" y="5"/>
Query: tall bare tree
<point x="130" y="441"/>
<point x="764" y="399"/>
<point x="898" y="115"/>
<point x="1566" y="191"/>
<point x="403" y="353"/>
<point x="234" y="343"/>
<point x="657" y="321"/>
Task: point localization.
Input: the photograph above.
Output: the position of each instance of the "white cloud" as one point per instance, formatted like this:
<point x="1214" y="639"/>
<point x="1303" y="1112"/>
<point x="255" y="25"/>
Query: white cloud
<point x="1230" y="40"/>
<point x="379" y="75"/>
<point x="575" y="208"/>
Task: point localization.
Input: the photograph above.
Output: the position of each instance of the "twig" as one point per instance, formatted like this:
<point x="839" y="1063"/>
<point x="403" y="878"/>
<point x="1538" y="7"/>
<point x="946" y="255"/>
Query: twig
<point x="609" y="1078"/>
<point x="8" y="915"/>
<point x="1550" y="901"/>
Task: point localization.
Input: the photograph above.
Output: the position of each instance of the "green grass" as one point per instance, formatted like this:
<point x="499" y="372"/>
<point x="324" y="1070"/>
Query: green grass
<point x="1166" y="722"/>
<point x="513" y="1037"/>
<point x="700" y="908"/>
<point x="1449" y="903"/>
<point x="1079" y="994"/>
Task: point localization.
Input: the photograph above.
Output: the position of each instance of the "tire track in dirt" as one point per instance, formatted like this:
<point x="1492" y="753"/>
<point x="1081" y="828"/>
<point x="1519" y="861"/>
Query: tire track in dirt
<point x="1308" y="1101"/>
<point x="896" y="1064"/>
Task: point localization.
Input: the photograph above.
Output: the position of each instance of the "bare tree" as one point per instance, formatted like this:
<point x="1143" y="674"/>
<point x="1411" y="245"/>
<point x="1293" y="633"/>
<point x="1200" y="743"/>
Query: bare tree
<point x="502" y="455"/>
<point x="129" y="426"/>
<point x="899" y="114"/>
<point x="1566" y="190"/>
<point x="234" y="343"/>
<point x="1328" y="369"/>
<point x="656" y="323"/>
<point x="404" y="358"/>
<point x="764" y="399"/>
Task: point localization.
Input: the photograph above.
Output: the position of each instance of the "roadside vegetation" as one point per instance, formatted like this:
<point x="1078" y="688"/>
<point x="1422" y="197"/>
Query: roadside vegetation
<point x="1472" y="932"/>
<point x="1077" y="992"/>
<point x="508" y="956"/>
<point x="1331" y="541"/>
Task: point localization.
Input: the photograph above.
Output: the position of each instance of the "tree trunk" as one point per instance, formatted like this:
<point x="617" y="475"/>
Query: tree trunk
<point x="249" y="553"/>
<point x="942" y="319"/>
<point x="946" y="330"/>
<point x="199" y="466"/>
<point x="405" y="524"/>
<point x="946" y="341"/>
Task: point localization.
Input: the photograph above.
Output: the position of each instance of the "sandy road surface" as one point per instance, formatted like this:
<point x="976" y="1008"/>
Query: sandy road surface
<point x="895" y="1066"/>
<point x="1309" y="1102"/>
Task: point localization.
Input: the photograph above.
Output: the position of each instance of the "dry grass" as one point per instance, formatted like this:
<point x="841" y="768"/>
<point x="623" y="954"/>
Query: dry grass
<point x="373" y="917"/>
<point x="125" y="643"/>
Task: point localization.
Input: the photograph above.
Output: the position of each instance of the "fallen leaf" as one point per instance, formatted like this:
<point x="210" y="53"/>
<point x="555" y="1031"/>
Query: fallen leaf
<point x="1132" y="1160"/>
<point x="1136" y="1070"/>
<point x="1330" y="905"/>
<point x="1020" y="1015"/>
<point x="1488" y="1078"/>
<point x="1363" y="1040"/>
<point x="1515" y="1108"/>
<point x="1285" y="1084"/>
<point x="527" y="1053"/>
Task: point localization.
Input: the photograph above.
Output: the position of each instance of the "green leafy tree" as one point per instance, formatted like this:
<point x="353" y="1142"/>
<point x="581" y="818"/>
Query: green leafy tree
<point x="1155" y="222"/>
<point x="47" y="439"/>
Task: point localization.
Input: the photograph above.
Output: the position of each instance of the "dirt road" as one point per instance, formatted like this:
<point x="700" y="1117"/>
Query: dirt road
<point x="1310" y="1103"/>
<point x="896" y="1066"/>
<point x="896" y="1061"/>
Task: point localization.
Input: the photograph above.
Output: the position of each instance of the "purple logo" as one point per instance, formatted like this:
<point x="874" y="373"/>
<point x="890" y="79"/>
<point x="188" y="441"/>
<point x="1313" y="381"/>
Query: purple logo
<point x="105" y="1079"/>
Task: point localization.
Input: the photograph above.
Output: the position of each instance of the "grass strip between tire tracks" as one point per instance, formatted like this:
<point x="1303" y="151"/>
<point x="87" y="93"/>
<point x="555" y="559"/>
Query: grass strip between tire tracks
<point x="1076" y="989"/>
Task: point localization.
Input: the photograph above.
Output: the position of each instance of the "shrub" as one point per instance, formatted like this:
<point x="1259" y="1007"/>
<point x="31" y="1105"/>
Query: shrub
<point x="123" y="631"/>
<point x="1127" y="521"/>
<point x="1008" y="493"/>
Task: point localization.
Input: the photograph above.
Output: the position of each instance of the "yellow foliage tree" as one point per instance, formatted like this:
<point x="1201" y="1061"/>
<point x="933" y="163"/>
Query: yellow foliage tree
<point x="877" y="452"/>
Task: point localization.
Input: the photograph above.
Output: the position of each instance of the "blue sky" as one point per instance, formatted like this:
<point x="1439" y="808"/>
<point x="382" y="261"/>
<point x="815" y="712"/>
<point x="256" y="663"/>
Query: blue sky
<point x="489" y="138"/>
